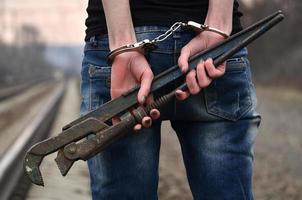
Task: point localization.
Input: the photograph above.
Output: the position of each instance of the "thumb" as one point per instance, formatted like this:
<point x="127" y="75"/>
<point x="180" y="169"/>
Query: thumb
<point x="183" y="59"/>
<point x="146" y="81"/>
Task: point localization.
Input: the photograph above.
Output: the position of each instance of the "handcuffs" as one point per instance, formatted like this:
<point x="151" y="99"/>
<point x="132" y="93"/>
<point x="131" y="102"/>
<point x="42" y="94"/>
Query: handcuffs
<point x="147" y="45"/>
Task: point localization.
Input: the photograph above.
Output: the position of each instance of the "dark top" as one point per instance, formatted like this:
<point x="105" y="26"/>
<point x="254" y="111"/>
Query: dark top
<point x="155" y="12"/>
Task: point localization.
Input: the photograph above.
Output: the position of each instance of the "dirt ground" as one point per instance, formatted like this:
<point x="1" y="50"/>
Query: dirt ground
<point x="278" y="147"/>
<point x="278" y="161"/>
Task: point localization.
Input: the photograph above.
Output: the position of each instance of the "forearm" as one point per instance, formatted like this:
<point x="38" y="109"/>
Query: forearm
<point x="220" y="15"/>
<point x="119" y="23"/>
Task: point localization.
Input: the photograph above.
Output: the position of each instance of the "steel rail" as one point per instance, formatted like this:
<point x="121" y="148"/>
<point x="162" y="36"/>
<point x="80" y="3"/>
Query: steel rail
<point x="11" y="170"/>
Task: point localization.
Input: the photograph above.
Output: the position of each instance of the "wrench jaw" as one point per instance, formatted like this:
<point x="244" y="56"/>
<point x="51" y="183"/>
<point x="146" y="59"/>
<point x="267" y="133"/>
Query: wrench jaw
<point x="63" y="163"/>
<point x="31" y="167"/>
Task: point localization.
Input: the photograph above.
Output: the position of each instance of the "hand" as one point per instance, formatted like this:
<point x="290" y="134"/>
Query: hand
<point x="205" y="71"/>
<point x="128" y="70"/>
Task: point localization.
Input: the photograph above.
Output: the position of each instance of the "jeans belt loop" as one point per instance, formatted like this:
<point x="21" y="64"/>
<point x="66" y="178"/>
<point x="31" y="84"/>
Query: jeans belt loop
<point x="94" y="41"/>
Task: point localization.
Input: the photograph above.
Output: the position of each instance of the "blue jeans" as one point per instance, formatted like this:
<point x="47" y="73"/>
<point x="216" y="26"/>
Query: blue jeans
<point x="216" y="128"/>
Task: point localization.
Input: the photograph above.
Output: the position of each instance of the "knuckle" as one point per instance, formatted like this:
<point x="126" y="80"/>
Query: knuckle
<point x="191" y="77"/>
<point x="207" y="83"/>
<point x="191" y="89"/>
<point x="184" y="49"/>
<point x="195" y="90"/>
<point x="193" y="73"/>
<point x="179" y="62"/>
<point x="189" y="81"/>
<point x="204" y="83"/>
<point x="209" y="64"/>
<point x="209" y="60"/>
<point x="212" y="73"/>
<point x="182" y="64"/>
<point x="151" y="75"/>
<point x="147" y="76"/>
<point x="219" y="73"/>
<point x="199" y="67"/>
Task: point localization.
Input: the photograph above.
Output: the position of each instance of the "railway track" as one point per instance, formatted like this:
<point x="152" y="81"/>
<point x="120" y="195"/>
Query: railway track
<point x="13" y="184"/>
<point x="6" y="93"/>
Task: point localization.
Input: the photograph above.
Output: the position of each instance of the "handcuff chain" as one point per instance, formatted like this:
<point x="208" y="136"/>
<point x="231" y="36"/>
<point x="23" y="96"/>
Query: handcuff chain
<point x="148" y="45"/>
<point x="169" y="32"/>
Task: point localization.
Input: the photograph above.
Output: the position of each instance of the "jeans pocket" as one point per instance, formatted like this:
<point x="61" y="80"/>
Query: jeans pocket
<point x="95" y="74"/>
<point x="229" y="96"/>
<point x="99" y="78"/>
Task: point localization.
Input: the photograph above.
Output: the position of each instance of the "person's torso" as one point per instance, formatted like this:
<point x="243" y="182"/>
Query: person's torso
<point x="155" y="12"/>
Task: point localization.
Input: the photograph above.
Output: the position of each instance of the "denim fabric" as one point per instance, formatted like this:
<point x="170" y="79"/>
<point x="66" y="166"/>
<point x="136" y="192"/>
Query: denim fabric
<point x="216" y="128"/>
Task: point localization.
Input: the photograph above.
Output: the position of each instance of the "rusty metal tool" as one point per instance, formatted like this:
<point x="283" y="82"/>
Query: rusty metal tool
<point x="90" y="134"/>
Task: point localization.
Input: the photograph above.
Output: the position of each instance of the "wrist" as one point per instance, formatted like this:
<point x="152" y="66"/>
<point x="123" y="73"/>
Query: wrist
<point x="134" y="47"/>
<point x="222" y="25"/>
<point x="117" y="40"/>
<point x="220" y="15"/>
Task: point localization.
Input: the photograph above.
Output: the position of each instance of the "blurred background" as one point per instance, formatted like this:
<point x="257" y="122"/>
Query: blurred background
<point x="41" y="46"/>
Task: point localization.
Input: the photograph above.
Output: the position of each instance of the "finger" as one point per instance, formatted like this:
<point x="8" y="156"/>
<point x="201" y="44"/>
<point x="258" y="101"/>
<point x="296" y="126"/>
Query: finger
<point x="183" y="59"/>
<point x="222" y="68"/>
<point x="147" y="122"/>
<point x="192" y="82"/>
<point x="203" y="79"/>
<point x="149" y="100"/>
<point x="146" y="81"/>
<point x="194" y="46"/>
<point x="115" y="120"/>
<point x="212" y="71"/>
<point x="137" y="127"/>
<point x="154" y="114"/>
<point x="182" y="95"/>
